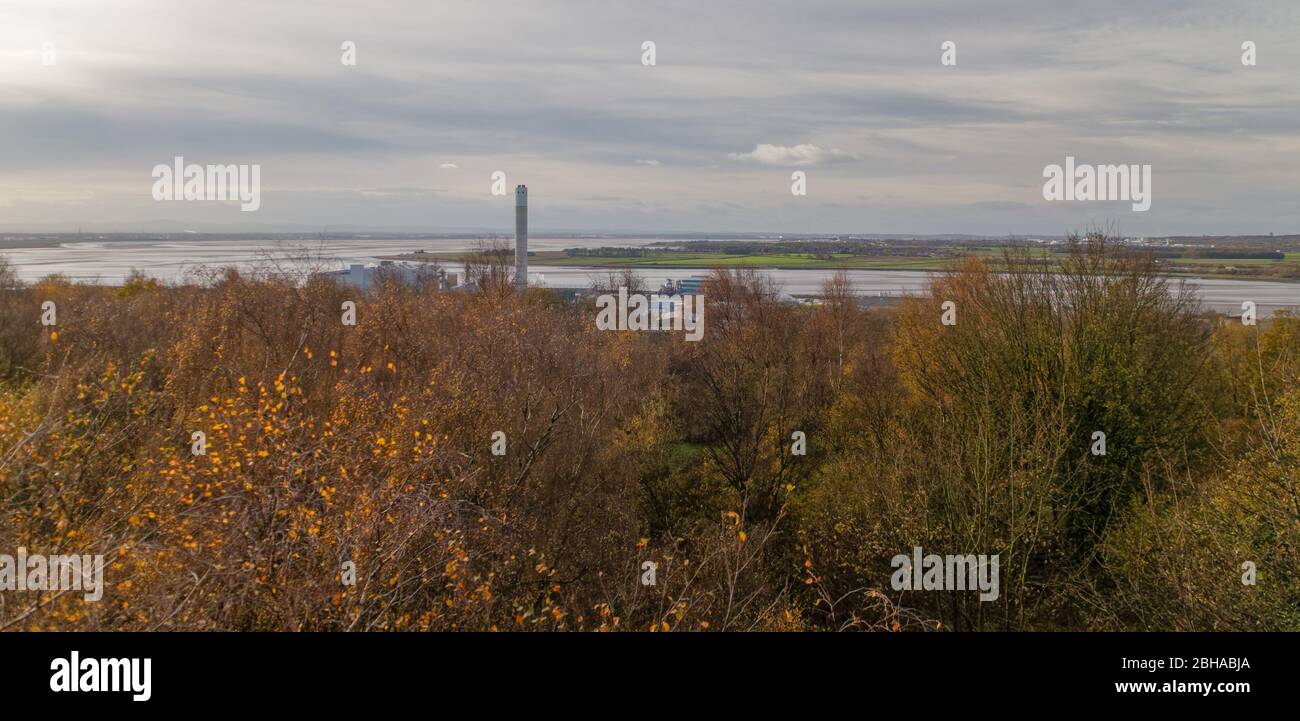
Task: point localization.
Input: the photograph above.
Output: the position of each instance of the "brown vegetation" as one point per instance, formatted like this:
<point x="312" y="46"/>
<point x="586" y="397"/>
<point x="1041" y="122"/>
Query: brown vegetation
<point x="372" y="444"/>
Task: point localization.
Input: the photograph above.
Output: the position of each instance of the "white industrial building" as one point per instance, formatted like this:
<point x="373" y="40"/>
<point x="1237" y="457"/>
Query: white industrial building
<point x="365" y="276"/>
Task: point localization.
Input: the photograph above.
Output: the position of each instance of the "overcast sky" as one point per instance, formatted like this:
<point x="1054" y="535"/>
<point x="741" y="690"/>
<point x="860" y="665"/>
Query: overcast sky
<point x="744" y="92"/>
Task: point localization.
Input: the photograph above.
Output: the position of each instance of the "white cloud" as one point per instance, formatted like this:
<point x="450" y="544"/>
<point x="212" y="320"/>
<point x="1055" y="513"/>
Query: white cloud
<point x="804" y="154"/>
<point x="647" y="162"/>
<point x="451" y="166"/>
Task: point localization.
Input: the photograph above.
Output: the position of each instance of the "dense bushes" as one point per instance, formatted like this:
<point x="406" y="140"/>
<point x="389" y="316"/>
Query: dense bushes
<point x="373" y="444"/>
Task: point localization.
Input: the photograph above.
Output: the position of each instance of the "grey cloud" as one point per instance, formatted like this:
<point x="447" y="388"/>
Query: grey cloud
<point x="556" y="94"/>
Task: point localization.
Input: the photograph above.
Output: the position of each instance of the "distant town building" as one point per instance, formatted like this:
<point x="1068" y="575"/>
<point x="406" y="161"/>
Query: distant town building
<point x="692" y="285"/>
<point x="367" y="276"/>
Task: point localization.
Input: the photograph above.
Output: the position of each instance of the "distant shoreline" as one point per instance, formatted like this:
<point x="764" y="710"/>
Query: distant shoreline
<point x="759" y="262"/>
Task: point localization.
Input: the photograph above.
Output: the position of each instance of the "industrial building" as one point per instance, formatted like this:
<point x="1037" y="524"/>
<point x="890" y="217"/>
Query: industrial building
<point x="521" y="237"/>
<point x="364" y="276"/>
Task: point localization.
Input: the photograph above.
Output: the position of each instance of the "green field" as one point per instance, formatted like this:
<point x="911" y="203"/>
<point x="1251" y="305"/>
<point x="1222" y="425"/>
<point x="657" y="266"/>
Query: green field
<point x="672" y="259"/>
<point x="1223" y="261"/>
<point x="686" y="259"/>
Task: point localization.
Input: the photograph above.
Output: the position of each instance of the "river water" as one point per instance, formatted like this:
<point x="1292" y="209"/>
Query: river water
<point x="111" y="261"/>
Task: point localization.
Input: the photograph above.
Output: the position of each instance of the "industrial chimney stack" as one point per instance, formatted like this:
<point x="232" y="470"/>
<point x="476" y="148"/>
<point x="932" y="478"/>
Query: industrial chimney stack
<point x="521" y="236"/>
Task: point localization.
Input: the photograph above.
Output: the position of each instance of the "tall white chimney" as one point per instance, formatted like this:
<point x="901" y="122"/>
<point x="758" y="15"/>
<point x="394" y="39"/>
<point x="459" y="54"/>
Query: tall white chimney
<point x="521" y="236"/>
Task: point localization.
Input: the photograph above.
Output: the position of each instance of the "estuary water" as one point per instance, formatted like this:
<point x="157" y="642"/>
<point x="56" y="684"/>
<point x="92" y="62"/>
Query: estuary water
<point x="179" y="259"/>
